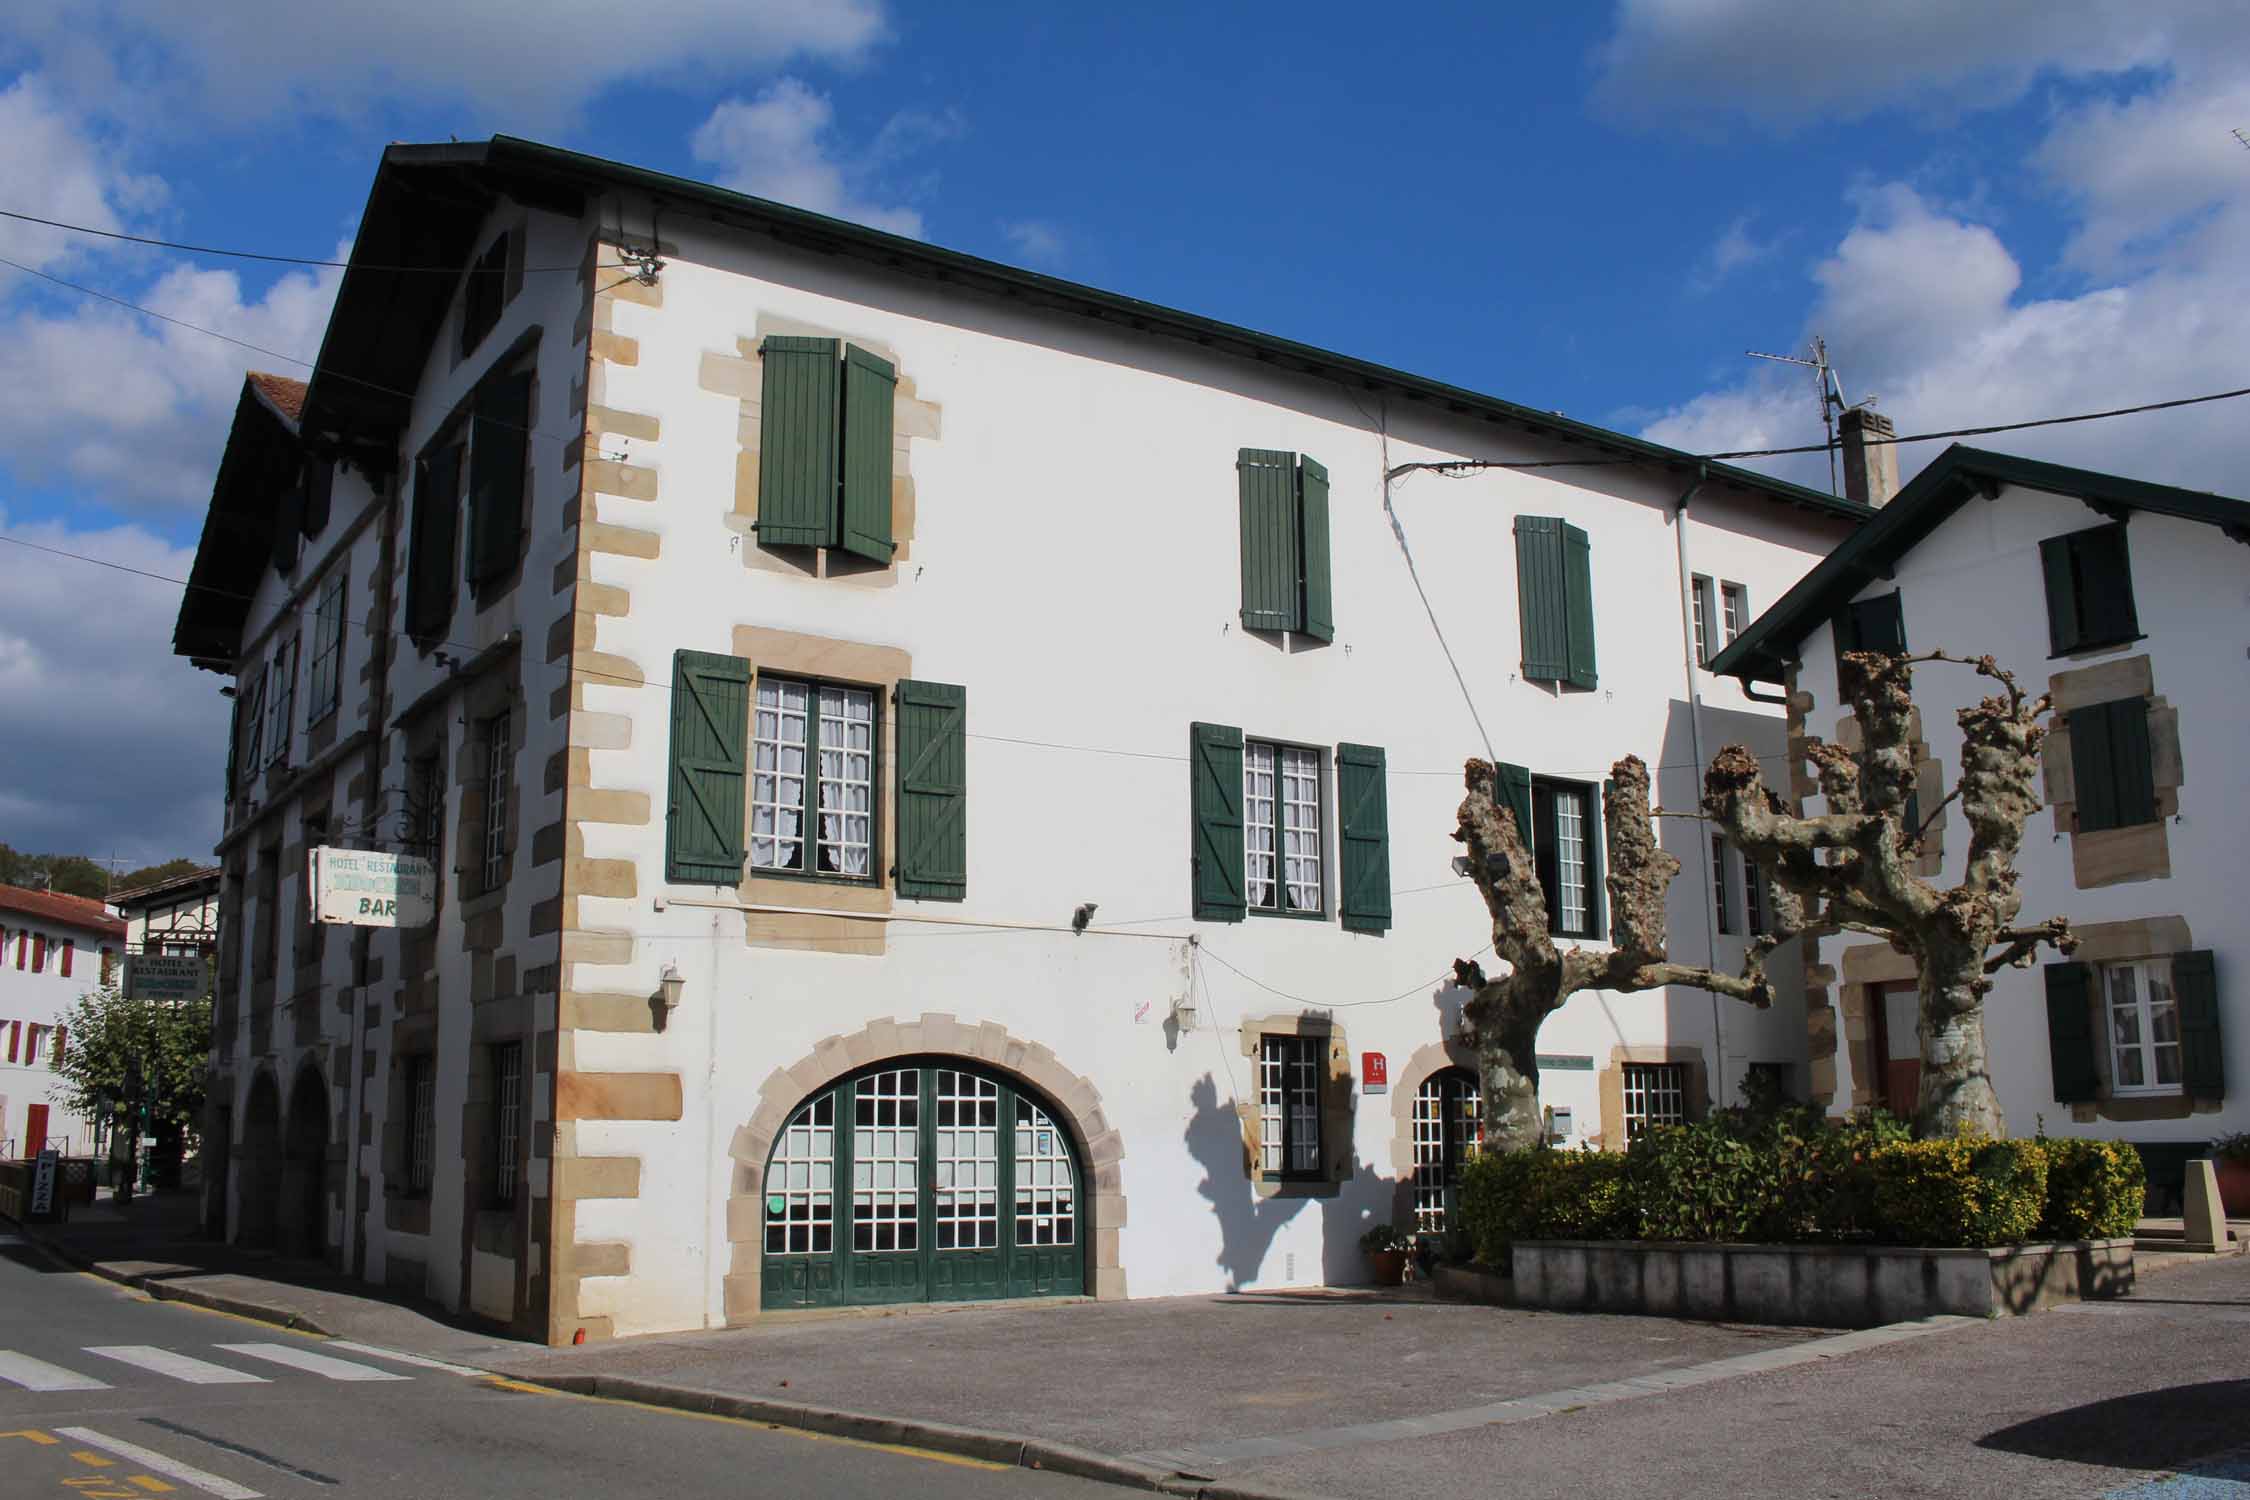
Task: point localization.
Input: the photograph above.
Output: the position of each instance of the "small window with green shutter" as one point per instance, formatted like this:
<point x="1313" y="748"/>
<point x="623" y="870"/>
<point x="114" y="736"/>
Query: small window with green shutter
<point x="1286" y="579"/>
<point x="1215" y="803"/>
<point x="1364" y="844"/>
<point x="813" y="779"/>
<point x="1555" y="601"/>
<point x="1566" y="851"/>
<point x="825" y="425"/>
<point x="499" y="446"/>
<point x="430" y="551"/>
<point x="2089" y="580"/>
<point x="933" y="792"/>
<point x="704" y="820"/>
<point x="2112" y="768"/>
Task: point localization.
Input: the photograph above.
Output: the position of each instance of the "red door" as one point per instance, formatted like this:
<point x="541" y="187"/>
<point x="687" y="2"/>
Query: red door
<point x="34" y="1131"/>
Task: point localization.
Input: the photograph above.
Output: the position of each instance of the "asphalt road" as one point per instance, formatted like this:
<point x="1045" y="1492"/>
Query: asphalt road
<point x="107" y="1395"/>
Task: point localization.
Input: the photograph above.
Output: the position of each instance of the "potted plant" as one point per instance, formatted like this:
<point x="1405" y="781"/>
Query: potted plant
<point x="2230" y="1159"/>
<point x="1385" y="1247"/>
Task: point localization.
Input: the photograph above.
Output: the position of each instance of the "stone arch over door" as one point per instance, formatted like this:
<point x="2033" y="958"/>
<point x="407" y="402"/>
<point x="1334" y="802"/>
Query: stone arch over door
<point x="257" y="1187"/>
<point x="1428" y="1060"/>
<point x="988" y="1045"/>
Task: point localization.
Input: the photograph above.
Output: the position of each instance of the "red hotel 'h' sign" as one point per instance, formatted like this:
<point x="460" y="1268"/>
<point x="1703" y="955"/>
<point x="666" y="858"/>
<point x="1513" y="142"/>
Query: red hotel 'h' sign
<point x="1374" y="1068"/>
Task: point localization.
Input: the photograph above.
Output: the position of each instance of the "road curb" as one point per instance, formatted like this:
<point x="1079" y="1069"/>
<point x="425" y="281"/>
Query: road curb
<point x="167" y="1291"/>
<point x="942" y="1437"/>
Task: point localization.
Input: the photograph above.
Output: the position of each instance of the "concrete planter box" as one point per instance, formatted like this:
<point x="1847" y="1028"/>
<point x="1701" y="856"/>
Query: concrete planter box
<point x="1835" y="1286"/>
<point x="1473" y="1284"/>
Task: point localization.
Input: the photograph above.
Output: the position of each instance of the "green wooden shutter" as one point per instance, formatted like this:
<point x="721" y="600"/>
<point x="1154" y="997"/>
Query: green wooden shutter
<point x="320" y="490"/>
<point x="1319" y="618"/>
<point x="2132" y="761"/>
<point x="429" y="581"/>
<point x="2195" y="986"/>
<point x="1597" y="888"/>
<point x="1515" y="795"/>
<point x="2063" y="633"/>
<point x="499" y="448"/>
<point x="1215" y="763"/>
<point x="1267" y="482"/>
<point x="933" y="791"/>
<point x="710" y="726"/>
<point x="2070" y="1032"/>
<point x="870" y="391"/>
<point x="1363" y="799"/>
<point x="1879" y="624"/>
<point x="1578" y="612"/>
<point x="289" y="523"/>
<point x="797" y="447"/>
<point x="2105" y="584"/>
<point x="2093" y="761"/>
<point x="1542" y="601"/>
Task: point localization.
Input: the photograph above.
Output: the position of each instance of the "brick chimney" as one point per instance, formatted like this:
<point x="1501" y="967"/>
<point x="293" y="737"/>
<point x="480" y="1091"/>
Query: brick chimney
<point x="1870" y="458"/>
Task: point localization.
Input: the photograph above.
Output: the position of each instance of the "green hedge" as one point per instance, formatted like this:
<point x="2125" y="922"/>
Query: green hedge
<point x="1792" y="1176"/>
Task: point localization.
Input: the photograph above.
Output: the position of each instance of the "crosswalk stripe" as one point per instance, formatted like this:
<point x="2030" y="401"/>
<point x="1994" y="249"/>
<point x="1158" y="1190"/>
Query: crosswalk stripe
<point x="170" y="1468"/>
<point x="305" y="1359"/>
<point x="38" y="1375"/>
<point x="403" y="1358"/>
<point x="178" y="1366"/>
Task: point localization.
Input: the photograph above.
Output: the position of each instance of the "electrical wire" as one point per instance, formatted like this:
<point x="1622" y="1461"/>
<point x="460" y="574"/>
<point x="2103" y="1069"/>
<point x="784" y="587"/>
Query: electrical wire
<point x="284" y="260"/>
<point x="1405" y="994"/>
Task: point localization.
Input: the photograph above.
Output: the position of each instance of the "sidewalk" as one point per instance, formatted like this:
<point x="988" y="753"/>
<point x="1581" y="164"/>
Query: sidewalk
<point x="1375" y="1394"/>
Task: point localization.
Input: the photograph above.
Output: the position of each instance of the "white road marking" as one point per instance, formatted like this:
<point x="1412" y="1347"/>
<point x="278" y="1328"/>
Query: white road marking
<point x="157" y="1463"/>
<point x="403" y="1358"/>
<point x="178" y="1366"/>
<point x="38" y="1375"/>
<point x="304" y="1359"/>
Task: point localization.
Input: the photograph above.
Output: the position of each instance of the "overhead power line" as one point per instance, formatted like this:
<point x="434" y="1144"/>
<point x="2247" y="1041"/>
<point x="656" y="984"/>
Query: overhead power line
<point x="284" y="260"/>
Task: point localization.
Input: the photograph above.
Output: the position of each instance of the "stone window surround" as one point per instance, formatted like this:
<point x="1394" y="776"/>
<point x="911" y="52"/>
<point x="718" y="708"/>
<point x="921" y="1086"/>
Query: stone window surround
<point x="1076" y="1100"/>
<point x="1695" y="1095"/>
<point x="1428" y="1059"/>
<point x="1336" y="1100"/>
<point x="2113" y="856"/>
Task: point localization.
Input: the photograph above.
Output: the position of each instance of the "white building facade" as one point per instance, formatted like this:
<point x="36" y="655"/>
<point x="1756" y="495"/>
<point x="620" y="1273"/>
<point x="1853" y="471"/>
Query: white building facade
<point x="2124" y="601"/>
<point x="54" y="948"/>
<point x="942" y="778"/>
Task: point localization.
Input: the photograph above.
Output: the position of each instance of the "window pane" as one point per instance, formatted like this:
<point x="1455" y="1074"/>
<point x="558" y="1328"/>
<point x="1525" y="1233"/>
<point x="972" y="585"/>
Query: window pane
<point x="1258" y="824"/>
<point x="847" y="768"/>
<point x="1300" y="809"/>
<point x="1570" y="858"/>
<point x="1289" y="1105"/>
<point x="777" y="776"/>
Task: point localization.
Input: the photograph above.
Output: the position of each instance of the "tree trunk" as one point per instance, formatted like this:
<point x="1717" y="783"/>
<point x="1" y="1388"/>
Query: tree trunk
<point x="1956" y="1092"/>
<point x="1508" y="1068"/>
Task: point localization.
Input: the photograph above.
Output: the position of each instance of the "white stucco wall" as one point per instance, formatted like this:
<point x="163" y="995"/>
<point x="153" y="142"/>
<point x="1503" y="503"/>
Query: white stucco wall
<point x="42" y="997"/>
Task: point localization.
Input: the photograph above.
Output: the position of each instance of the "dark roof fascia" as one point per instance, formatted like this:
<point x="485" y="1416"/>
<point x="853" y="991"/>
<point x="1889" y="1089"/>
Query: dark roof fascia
<point x="1959" y="474"/>
<point x="150" y="895"/>
<point x="237" y="539"/>
<point x="372" y="303"/>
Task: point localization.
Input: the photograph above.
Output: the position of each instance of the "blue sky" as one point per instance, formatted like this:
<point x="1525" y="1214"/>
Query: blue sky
<point x="1992" y="213"/>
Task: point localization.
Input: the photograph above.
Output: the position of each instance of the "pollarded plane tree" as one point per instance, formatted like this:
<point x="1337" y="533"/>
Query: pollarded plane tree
<point x="1504" y="1014"/>
<point x="1850" y="869"/>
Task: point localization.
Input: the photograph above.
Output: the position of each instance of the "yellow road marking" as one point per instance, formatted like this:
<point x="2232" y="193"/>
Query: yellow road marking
<point x="150" y="1483"/>
<point x="47" y="1439"/>
<point x="92" y="1459"/>
<point x="958" y="1460"/>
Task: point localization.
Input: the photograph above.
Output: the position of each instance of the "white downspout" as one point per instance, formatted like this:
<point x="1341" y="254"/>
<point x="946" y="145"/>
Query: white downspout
<point x="1695" y="748"/>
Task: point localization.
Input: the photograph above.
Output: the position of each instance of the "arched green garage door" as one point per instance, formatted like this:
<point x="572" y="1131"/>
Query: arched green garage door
<point x="921" y="1181"/>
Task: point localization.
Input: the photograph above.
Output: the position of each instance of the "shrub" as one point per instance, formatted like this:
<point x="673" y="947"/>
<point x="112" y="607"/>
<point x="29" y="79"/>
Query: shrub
<point x="1543" y="1194"/>
<point x="1703" y="1182"/>
<point x="2094" y="1189"/>
<point x="1965" y="1191"/>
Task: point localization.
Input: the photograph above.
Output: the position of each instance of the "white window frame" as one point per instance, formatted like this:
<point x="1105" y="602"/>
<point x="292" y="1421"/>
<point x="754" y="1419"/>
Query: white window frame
<point x="1655" y="1094"/>
<point x="2146" y="1009"/>
<point x="1753" y="898"/>
<point x="507" y="1123"/>
<point x="1289" y="1076"/>
<point x="1721" y="905"/>
<point x="1284" y="829"/>
<point x="1704" y="617"/>
<point x="1734" y="611"/>
<point x="812" y="774"/>
<point x="498" y="758"/>
<point x="1448" y="1125"/>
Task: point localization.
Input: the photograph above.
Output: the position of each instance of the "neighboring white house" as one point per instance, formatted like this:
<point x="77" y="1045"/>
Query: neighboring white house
<point x="175" y="918"/>
<point x="921" y="755"/>
<point x="2124" y="600"/>
<point x="53" y="949"/>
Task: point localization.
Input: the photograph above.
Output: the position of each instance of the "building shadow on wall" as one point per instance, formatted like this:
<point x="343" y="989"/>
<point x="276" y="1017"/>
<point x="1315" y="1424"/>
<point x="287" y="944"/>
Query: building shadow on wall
<point x="1248" y="1220"/>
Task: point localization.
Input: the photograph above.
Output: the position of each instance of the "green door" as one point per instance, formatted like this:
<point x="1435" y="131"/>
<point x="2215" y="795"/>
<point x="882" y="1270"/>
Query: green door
<point x="946" y="1185"/>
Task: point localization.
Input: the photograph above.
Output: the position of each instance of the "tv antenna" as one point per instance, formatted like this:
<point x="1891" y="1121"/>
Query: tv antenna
<point x="1831" y="392"/>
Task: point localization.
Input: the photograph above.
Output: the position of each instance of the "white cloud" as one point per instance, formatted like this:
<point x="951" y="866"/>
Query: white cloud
<point x="55" y="171"/>
<point x="1036" y="241"/>
<point x="781" y="145"/>
<point x="1785" y="61"/>
<point x="1734" y="249"/>
<point x="529" y="63"/>
<point x="109" y="734"/>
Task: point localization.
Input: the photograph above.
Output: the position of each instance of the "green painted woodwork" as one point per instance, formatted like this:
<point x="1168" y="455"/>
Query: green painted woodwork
<point x="500" y="440"/>
<point x="429" y="578"/>
<point x="710" y="731"/>
<point x="1578" y="608"/>
<point x="797" y="443"/>
<point x="2112" y="766"/>
<point x="2089" y="589"/>
<point x="2195" y="985"/>
<point x="1597" y="836"/>
<point x="870" y="389"/>
<point x="1267" y="483"/>
<point x="1364" y="839"/>
<point x="1215" y="764"/>
<point x="933" y="841"/>
<point x="2070" y="1032"/>
<point x="1542" y="609"/>
<point x="1319" y="619"/>
<point x="1515" y="794"/>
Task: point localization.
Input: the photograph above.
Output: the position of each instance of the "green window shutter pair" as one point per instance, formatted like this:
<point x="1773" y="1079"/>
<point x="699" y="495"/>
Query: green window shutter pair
<point x="2089" y="589"/>
<point x="429" y="577"/>
<point x="1286" y="582"/>
<point x="933" y="791"/>
<point x="824" y="447"/>
<point x="2072" y="1037"/>
<point x="1364" y="843"/>
<point x="1215" y="799"/>
<point x="2112" y="766"/>
<point x="1555" y="601"/>
<point x="499" y="447"/>
<point x="710" y="735"/>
